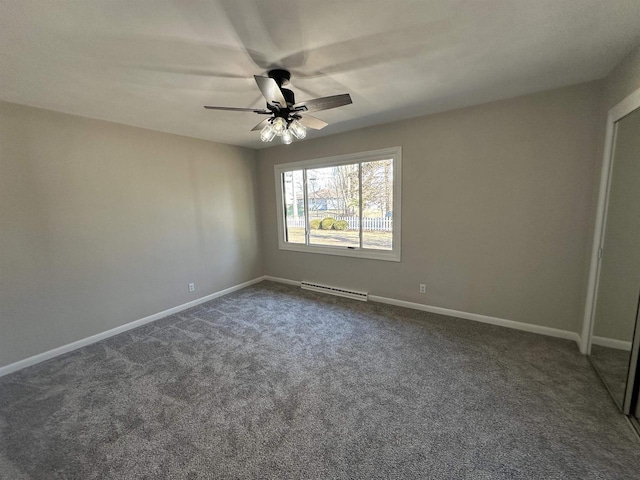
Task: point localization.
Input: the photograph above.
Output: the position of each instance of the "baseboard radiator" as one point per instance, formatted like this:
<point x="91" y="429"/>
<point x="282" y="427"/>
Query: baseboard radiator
<point x="340" y="292"/>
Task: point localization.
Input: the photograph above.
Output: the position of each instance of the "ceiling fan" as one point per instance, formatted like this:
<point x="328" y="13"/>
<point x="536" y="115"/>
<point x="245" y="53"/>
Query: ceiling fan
<point x="286" y="117"/>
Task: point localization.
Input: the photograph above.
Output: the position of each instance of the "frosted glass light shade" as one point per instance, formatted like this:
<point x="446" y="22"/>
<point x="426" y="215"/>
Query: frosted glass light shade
<point x="299" y="130"/>
<point x="267" y="133"/>
<point x="287" y="138"/>
<point x="279" y="125"/>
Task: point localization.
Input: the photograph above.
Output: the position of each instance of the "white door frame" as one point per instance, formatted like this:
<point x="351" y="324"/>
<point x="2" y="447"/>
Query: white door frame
<point x="622" y="109"/>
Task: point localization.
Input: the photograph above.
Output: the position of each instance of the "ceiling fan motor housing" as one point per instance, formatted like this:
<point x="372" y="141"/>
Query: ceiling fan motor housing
<point x="281" y="77"/>
<point x="288" y="96"/>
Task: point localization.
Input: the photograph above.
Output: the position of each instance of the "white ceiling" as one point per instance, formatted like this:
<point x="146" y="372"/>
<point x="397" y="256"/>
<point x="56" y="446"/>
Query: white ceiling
<point x="154" y="63"/>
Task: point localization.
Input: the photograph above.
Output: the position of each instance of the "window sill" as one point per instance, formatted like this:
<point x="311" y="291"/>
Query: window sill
<point x="385" y="255"/>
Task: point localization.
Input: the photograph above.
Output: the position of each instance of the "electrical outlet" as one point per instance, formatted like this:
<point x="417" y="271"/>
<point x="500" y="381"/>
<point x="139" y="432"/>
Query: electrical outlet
<point x="192" y="287"/>
<point x="423" y="288"/>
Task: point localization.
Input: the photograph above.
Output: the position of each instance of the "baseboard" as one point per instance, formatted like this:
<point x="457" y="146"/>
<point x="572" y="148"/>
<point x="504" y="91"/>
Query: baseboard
<point x="526" y="327"/>
<point x="282" y="280"/>
<point x="501" y="322"/>
<point x="41" y="357"/>
<point x="611" y="343"/>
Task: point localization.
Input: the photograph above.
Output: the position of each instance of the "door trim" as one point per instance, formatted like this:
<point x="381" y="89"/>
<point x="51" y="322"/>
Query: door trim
<point x="622" y="109"/>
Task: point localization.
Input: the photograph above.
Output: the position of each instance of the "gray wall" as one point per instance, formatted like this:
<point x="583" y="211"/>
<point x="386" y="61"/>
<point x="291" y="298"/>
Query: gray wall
<point x="103" y="224"/>
<point x="495" y="214"/>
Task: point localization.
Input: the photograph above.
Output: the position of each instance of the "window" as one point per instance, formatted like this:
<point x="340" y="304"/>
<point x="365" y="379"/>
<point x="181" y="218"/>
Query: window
<point x="347" y="205"/>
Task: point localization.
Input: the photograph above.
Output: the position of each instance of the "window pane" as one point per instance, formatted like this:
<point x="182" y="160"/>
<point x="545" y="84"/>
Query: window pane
<point x="292" y="186"/>
<point x="334" y="211"/>
<point x="377" y="204"/>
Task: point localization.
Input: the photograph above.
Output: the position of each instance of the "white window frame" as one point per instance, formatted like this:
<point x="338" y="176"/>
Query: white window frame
<point x="394" y="154"/>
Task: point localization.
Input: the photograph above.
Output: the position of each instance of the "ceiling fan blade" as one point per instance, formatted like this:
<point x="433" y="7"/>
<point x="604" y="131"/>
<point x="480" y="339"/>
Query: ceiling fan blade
<point x="261" y="125"/>
<point x="237" y="109"/>
<point x="324" y="103"/>
<point x="312" y="122"/>
<point x="203" y="72"/>
<point x="271" y="91"/>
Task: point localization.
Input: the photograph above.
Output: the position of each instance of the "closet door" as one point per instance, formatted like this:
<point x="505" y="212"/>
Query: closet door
<point x="619" y="277"/>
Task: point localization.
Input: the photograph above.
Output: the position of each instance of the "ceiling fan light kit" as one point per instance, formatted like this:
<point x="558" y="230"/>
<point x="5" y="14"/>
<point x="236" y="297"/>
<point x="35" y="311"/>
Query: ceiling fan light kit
<point x="286" y="116"/>
<point x="280" y="128"/>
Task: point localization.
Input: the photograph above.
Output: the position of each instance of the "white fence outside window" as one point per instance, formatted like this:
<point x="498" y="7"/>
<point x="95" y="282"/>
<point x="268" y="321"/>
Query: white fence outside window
<point x="368" y="223"/>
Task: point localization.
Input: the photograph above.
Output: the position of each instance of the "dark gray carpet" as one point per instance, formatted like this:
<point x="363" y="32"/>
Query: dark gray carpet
<point x="275" y="382"/>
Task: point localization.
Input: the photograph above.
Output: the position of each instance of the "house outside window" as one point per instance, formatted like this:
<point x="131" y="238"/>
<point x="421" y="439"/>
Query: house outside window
<point x="347" y="205"/>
